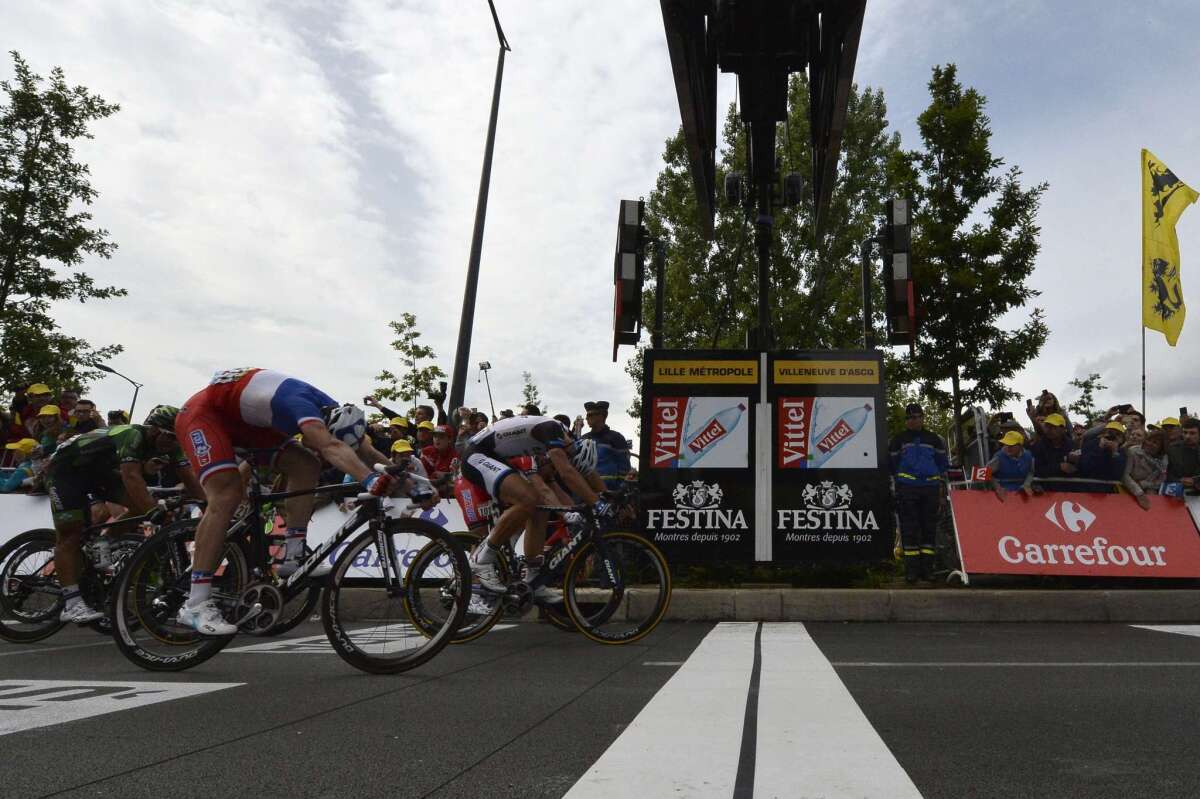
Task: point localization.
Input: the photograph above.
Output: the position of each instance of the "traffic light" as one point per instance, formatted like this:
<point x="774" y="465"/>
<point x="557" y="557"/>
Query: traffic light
<point x="901" y="305"/>
<point x="628" y="273"/>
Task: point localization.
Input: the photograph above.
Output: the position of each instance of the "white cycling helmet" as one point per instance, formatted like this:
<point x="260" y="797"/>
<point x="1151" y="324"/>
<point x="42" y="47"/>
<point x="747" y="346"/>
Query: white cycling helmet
<point x="584" y="459"/>
<point x="347" y="424"/>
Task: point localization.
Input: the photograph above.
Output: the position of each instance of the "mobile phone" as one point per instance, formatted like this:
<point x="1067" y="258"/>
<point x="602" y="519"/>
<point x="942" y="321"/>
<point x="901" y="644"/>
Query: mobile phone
<point x="1182" y="412"/>
<point x="442" y="383"/>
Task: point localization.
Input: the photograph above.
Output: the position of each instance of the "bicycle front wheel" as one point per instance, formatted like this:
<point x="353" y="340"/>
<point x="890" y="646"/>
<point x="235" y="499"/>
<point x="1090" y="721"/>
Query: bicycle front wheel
<point x="617" y="588"/>
<point x="30" y="594"/>
<point x="154" y="583"/>
<point x="365" y="608"/>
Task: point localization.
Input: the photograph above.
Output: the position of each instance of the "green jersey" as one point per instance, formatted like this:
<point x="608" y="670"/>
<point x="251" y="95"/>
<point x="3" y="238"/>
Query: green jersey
<point x="108" y="448"/>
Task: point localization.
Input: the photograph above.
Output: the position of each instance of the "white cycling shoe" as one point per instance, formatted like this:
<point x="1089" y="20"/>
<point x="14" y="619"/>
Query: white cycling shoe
<point x="480" y="606"/>
<point x="205" y="619"/>
<point x="80" y="613"/>
<point x="488" y="577"/>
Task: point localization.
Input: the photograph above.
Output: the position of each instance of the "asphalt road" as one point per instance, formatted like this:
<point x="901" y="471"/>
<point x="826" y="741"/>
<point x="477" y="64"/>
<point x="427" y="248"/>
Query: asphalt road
<point x="740" y="709"/>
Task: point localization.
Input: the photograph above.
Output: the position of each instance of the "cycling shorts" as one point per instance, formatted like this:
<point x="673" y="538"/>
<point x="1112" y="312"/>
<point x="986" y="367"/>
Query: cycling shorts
<point x="484" y="470"/>
<point x="473" y="500"/>
<point x="73" y="491"/>
<point x="211" y="440"/>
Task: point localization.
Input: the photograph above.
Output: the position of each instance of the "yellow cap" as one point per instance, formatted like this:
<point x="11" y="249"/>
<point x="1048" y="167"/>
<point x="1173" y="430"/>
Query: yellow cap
<point x="49" y="410"/>
<point x="1120" y="428"/>
<point x="1012" y="438"/>
<point x="24" y="446"/>
<point x="426" y="425"/>
<point x="401" y="446"/>
<point x="1055" y="419"/>
<point x="1170" y="421"/>
<point x="36" y="389"/>
<point x="398" y="421"/>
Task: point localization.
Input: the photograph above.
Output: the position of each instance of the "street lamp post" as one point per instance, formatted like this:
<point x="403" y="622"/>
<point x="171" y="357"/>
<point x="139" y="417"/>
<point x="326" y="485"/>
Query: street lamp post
<point x="136" y="385"/>
<point x="458" y="381"/>
<point x="485" y="366"/>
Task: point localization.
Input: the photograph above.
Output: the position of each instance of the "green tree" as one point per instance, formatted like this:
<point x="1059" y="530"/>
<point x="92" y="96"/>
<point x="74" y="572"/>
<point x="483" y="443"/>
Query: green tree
<point x="1085" y="406"/>
<point x="974" y="245"/>
<point x="45" y="231"/>
<point x="413" y="380"/>
<point x="529" y="391"/>
<point x="816" y="295"/>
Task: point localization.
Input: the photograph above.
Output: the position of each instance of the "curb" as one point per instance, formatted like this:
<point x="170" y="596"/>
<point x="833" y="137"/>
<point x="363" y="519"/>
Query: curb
<point x="936" y="605"/>
<point x="912" y="605"/>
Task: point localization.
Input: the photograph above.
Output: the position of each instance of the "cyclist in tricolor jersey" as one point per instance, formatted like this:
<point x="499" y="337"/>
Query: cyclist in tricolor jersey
<point x="484" y="463"/>
<point x="260" y="409"/>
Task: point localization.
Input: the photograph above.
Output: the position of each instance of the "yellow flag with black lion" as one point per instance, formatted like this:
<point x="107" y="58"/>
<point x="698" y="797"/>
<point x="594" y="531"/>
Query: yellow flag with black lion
<point x="1164" y="198"/>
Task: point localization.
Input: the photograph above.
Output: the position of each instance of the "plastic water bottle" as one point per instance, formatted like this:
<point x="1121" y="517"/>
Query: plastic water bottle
<point x="846" y="427"/>
<point x="704" y="439"/>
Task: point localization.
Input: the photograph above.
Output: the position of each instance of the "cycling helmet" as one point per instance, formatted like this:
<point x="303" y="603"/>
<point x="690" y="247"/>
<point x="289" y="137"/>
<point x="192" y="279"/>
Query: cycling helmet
<point x="162" y="416"/>
<point x="584" y="459"/>
<point x="347" y="424"/>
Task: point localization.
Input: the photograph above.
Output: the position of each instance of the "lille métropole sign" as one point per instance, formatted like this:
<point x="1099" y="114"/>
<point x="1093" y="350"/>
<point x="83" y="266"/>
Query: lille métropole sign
<point x="765" y="456"/>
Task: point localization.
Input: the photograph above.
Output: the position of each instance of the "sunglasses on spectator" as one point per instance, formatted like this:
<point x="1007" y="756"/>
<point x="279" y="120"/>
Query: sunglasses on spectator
<point x="1111" y="437"/>
<point x="595" y="406"/>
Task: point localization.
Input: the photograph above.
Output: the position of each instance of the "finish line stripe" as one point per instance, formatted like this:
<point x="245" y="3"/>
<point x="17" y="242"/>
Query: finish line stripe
<point x="813" y="739"/>
<point x="1001" y="664"/>
<point x="810" y="737"/>
<point x="686" y="740"/>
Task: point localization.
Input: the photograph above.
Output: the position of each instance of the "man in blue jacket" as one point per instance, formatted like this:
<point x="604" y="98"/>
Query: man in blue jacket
<point x="919" y="465"/>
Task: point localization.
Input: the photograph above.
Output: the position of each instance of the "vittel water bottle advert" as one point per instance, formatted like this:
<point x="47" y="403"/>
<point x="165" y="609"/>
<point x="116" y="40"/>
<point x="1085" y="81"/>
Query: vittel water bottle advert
<point x="699" y="433"/>
<point x="827" y="433"/>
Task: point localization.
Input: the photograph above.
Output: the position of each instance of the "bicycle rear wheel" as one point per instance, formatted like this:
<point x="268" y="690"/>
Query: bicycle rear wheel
<point x="432" y="590"/>
<point x="152" y="586"/>
<point x="30" y="594"/>
<point x="365" y="608"/>
<point x="617" y="588"/>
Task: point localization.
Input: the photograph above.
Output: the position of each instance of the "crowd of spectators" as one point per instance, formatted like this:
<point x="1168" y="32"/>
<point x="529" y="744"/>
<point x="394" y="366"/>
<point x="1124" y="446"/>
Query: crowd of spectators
<point x="1117" y="447"/>
<point x="35" y="423"/>
<point x="438" y="439"/>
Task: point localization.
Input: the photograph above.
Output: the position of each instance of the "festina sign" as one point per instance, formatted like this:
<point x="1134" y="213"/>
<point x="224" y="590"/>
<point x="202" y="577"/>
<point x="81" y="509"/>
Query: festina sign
<point x="827" y="506"/>
<point x="697" y="507"/>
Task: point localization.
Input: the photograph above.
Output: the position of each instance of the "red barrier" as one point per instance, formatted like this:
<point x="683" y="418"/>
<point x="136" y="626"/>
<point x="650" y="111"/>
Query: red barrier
<point x="1075" y="534"/>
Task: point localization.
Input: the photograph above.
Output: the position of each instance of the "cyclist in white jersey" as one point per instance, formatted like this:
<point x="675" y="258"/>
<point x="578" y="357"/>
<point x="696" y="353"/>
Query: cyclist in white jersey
<point x="484" y="463"/>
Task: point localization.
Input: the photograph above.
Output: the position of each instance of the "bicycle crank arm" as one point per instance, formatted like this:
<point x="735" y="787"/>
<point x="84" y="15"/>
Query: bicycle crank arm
<point x="255" y="609"/>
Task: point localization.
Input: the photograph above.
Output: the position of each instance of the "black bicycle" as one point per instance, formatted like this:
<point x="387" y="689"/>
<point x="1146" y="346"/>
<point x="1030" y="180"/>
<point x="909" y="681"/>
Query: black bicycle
<point x="616" y="585"/>
<point x="30" y="591"/>
<point x="361" y="599"/>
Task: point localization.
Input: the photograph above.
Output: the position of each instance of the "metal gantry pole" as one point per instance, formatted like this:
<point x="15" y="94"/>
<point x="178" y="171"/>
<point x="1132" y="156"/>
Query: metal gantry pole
<point x="462" y="354"/>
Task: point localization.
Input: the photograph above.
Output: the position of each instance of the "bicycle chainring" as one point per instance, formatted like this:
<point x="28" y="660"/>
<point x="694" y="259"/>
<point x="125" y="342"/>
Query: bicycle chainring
<point x="271" y="600"/>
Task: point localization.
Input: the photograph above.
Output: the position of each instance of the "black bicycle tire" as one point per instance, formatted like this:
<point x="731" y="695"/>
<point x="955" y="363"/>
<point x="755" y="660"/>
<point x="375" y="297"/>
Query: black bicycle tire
<point x="10" y="546"/>
<point x="660" y="608"/>
<point x="333" y="623"/>
<point x="129" y="648"/>
<point x="468" y="541"/>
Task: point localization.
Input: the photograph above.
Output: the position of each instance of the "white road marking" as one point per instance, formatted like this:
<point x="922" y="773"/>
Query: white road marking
<point x="53" y="649"/>
<point x="1179" y="629"/>
<point x="813" y="739"/>
<point x="28" y="704"/>
<point x="686" y="740"/>
<point x="373" y="641"/>
<point x="1003" y="664"/>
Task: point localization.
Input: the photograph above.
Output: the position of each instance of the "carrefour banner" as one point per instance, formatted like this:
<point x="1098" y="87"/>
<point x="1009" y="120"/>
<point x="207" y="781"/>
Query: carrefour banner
<point x="830" y="487"/>
<point x="1075" y="534"/>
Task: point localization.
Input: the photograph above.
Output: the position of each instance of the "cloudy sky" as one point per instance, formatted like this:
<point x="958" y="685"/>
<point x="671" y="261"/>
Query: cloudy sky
<point x="284" y="178"/>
